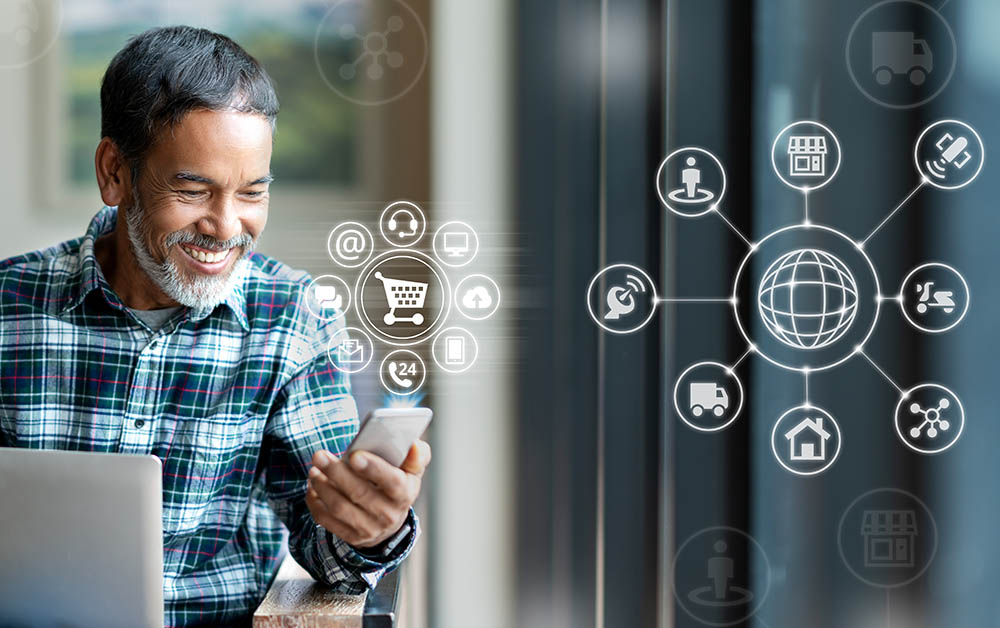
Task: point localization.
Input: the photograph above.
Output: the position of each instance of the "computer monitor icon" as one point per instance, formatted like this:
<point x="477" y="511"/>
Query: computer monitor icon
<point x="456" y="243"/>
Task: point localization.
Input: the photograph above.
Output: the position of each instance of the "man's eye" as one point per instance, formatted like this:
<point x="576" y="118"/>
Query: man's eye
<point x="191" y="193"/>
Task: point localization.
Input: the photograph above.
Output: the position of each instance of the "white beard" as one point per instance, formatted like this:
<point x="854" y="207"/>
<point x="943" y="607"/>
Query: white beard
<point x="199" y="292"/>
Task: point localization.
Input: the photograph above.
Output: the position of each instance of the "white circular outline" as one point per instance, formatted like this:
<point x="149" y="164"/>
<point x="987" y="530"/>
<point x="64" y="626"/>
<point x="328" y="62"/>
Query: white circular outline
<point x="56" y="30"/>
<point x="729" y="373"/>
<point x="805" y="189"/>
<point x="928" y="178"/>
<point x="384" y="101"/>
<point x="857" y="83"/>
<point x="371" y="350"/>
<point x="652" y="311"/>
<point x="458" y="301"/>
<point x="438" y="272"/>
<point x="440" y="257"/>
<point x="713" y="206"/>
<point x="840" y="542"/>
<point x="801" y="369"/>
<point x="767" y="567"/>
<point x="899" y="406"/>
<point x="342" y="311"/>
<point x="439" y="335"/>
<point x="371" y="244"/>
<point x="422" y="220"/>
<point x="836" y="426"/>
<point x="902" y="297"/>
<point x="423" y="372"/>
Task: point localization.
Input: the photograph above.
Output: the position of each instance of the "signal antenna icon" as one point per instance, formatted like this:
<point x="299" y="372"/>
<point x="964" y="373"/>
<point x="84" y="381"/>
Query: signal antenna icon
<point x="620" y="299"/>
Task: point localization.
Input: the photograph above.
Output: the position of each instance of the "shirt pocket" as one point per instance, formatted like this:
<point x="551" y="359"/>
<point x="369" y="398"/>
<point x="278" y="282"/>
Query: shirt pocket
<point x="208" y="472"/>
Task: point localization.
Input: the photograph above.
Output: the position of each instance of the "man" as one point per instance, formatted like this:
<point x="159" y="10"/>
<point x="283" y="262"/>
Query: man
<point x="161" y="332"/>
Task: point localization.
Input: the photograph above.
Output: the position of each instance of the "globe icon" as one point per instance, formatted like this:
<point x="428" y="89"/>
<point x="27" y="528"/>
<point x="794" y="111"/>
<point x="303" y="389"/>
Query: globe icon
<point x="808" y="299"/>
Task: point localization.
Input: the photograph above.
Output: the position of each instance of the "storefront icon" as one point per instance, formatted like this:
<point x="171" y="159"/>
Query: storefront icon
<point x="890" y="536"/>
<point x="807" y="156"/>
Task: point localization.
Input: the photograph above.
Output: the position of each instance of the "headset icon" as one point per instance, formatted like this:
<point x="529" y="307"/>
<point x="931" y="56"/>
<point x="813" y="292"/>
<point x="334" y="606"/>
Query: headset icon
<point x="414" y="223"/>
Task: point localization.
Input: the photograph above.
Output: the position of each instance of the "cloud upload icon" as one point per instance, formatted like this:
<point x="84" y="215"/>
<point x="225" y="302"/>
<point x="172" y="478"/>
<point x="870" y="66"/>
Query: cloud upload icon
<point x="477" y="298"/>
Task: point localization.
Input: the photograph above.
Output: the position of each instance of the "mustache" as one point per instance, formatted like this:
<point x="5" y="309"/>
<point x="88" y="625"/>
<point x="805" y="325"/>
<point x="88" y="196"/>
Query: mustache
<point x="200" y="240"/>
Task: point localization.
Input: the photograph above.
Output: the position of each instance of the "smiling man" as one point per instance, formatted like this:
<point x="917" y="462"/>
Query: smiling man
<point x="161" y="332"/>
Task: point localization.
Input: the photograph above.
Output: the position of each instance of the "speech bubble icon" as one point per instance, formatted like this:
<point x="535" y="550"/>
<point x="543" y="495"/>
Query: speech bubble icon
<point x="328" y="297"/>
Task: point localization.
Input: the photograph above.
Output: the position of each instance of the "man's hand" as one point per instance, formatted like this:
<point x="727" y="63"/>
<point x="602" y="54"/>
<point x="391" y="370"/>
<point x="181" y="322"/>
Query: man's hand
<point x="364" y="500"/>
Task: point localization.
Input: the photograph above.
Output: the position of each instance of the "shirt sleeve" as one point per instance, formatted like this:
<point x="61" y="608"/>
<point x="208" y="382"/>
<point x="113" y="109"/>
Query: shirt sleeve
<point x="314" y="411"/>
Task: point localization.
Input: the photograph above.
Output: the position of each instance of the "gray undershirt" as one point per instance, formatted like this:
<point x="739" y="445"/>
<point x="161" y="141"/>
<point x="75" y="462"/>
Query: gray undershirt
<point x="155" y="319"/>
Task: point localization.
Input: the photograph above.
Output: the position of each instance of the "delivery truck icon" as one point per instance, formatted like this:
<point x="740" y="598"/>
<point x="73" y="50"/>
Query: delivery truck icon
<point x="708" y="396"/>
<point x="900" y="53"/>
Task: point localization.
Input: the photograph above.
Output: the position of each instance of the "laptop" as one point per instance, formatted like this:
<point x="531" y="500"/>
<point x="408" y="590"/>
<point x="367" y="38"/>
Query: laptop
<point x="81" y="541"/>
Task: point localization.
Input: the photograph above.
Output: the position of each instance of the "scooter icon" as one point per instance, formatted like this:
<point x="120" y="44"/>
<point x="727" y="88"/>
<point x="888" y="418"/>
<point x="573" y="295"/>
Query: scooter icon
<point x="937" y="299"/>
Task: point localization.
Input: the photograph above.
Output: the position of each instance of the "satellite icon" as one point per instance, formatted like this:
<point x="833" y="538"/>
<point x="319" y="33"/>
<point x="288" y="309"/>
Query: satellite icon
<point x="954" y="153"/>
<point x="620" y="299"/>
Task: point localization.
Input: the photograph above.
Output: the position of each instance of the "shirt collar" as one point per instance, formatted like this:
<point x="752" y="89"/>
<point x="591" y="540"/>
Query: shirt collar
<point x="89" y="277"/>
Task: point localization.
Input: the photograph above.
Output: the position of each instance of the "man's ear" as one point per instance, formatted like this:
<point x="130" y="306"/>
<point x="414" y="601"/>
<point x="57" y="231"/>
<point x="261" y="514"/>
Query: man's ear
<point x="114" y="178"/>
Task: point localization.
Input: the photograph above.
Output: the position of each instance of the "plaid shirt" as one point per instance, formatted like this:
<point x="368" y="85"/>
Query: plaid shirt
<point x="234" y="401"/>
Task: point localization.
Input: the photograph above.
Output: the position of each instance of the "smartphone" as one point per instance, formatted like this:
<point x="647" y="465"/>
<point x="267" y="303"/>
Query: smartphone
<point x="389" y="432"/>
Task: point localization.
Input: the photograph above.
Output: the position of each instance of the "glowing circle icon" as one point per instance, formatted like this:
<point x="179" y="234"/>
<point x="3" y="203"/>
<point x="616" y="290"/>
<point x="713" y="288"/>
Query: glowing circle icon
<point x="370" y="57"/>
<point x="621" y="299"/>
<point x="402" y="297"/>
<point x="806" y="440"/>
<point x="815" y="294"/>
<point x="721" y="576"/>
<point x="691" y="182"/>
<point x="402" y="372"/>
<point x="328" y="297"/>
<point x="350" y="244"/>
<point x="806" y="155"/>
<point x="477" y="297"/>
<point x="808" y="299"/>
<point x="949" y="154"/>
<point x="929" y="418"/>
<point x="900" y="53"/>
<point x="708" y="396"/>
<point x="934" y="298"/>
<point x="455" y="350"/>
<point x="887" y="538"/>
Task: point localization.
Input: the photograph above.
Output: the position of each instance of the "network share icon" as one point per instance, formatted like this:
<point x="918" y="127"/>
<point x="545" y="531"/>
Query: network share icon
<point x="816" y="294"/>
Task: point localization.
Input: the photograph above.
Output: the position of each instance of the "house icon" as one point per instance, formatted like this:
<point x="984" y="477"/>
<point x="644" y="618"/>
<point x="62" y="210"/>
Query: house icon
<point x="807" y="441"/>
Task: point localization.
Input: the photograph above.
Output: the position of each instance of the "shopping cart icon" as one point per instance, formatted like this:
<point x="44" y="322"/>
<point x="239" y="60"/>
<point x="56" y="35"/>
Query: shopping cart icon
<point x="406" y="295"/>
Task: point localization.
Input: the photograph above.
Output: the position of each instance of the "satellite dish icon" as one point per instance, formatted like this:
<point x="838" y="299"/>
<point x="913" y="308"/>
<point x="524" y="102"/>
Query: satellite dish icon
<point x="621" y="299"/>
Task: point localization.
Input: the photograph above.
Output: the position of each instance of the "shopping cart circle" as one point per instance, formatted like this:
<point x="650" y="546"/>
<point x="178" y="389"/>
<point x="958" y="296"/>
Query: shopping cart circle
<point x="403" y="297"/>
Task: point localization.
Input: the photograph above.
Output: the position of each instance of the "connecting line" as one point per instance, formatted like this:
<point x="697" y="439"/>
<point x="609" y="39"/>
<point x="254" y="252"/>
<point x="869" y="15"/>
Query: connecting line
<point x="694" y="300"/>
<point x="922" y="183"/>
<point x="879" y="369"/>
<point x="732" y="226"/>
<point x="749" y="350"/>
<point x="805" y="196"/>
<point x="888" y="610"/>
<point x="805" y="383"/>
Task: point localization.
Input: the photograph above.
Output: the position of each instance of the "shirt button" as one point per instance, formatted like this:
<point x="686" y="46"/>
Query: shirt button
<point x="139" y="422"/>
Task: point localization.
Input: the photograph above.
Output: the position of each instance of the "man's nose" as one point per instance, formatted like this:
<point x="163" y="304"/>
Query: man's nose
<point x="223" y="222"/>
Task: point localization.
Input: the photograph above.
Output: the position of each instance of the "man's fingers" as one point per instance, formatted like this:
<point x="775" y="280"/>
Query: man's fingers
<point x="417" y="458"/>
<point x="356" y="488"/>
<point x="348" y="485"/>
<point x="391" y="481"/>
<point x="336" y="513"/>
